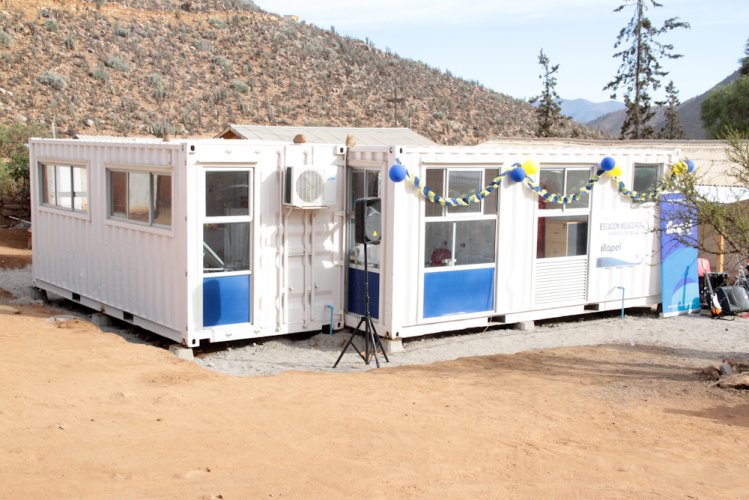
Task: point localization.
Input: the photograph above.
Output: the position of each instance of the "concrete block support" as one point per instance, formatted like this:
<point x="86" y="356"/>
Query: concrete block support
<point x="101" y="320"/>
<point x="182" y="352"/>
<point x="525" y="326"/>
<point x="392" y="346"/>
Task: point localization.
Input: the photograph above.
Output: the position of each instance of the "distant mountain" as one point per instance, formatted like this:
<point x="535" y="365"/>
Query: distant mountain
<point x="583" y="111"/>
<point x="688" y="112"/>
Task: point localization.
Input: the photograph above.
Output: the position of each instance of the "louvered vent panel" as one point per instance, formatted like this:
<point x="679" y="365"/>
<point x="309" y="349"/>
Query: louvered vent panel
<point x="561" y="281"/>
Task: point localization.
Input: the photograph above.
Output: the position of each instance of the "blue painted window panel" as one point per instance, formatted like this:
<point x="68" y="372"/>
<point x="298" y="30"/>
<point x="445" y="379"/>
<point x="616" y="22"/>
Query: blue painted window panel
<point x="458" y="292"/>
<point x="356" y="292"/>
<point x="226" y="300"/>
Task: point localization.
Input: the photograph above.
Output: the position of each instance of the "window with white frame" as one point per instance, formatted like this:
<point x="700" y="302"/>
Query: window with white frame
<point x="563" y="229"/>
<point x="64" y="186"/>
<point x="646" y="177"/>
<point x="460" y="235"/>
<point x="140" y="197"/>
<point x="227" y="229"/>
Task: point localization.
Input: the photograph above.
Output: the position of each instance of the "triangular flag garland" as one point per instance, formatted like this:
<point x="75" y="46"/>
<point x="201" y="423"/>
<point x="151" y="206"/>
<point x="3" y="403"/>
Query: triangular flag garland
<point x="522" y="173"/>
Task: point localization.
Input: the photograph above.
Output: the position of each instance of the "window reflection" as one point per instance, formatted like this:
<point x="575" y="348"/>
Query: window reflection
<point x="227" y="193"/>
<point x="226" y="247"/>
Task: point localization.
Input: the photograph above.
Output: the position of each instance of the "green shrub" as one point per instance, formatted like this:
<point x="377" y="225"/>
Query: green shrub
<point x="162" y="128"/>
<point x="100" y="73"/>
<point x="53" y="80"/>
<point x="118" y="64"/>
<point x="121" y="31"/>
<point x="156" y="80"/>
<point x="203" y="45"/>
<point x="51" y="25"/>
<point x="239" y="86"/>
<point x="222" y="62"/>
<point x="218" y="23"/>
<point x="5" y="39"/>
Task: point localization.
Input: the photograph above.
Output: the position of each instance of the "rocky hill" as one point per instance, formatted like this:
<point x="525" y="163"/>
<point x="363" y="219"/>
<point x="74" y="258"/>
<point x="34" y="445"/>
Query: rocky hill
<point x="164" y="67"/>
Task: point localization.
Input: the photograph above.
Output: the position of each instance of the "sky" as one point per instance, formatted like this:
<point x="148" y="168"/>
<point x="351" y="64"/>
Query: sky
<point x="497" y="42"/>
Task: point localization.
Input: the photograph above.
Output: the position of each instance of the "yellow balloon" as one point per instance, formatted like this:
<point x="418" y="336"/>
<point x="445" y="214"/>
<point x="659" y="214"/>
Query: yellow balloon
<point x="680" y="168"/>
<point x="531" y="167"/>
<point x="616" y="171"/>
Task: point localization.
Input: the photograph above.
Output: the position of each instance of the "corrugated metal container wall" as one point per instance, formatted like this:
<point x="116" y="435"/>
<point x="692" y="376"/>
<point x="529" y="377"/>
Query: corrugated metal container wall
<point x="135" y="268"/>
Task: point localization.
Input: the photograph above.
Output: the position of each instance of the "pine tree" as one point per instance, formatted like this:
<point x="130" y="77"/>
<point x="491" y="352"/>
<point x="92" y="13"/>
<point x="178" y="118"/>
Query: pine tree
<point x="548" y="111"/>
<point x="672" y="128"/>
<point x="744" y="61"/>
<point x="641" y="70"/>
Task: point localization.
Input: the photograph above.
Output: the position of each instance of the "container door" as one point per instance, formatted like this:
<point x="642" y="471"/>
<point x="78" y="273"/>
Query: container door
<point x="362" y="183"/>
<point x="227" y="247"/>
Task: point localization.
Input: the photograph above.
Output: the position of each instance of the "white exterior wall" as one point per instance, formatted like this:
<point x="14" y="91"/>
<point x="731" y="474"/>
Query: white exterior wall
<point x="119" y="267"/>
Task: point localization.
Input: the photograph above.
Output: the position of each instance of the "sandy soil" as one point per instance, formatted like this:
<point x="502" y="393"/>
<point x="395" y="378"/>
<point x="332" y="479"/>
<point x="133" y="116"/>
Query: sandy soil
<point x="89" y="414"/>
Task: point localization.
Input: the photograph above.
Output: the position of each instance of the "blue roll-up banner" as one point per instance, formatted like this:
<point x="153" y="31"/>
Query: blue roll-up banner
<point x="680" y="292"/>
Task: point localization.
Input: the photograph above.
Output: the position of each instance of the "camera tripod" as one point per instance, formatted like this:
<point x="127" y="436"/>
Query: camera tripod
<point x="371" y="339"/>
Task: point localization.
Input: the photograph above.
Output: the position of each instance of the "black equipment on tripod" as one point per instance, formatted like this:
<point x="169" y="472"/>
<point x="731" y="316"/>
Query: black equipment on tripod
<point x="367" y="231"/>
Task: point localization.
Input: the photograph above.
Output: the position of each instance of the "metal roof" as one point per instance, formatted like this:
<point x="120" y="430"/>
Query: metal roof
<point x="724" y="194"/>
<point x="329" y="135"/>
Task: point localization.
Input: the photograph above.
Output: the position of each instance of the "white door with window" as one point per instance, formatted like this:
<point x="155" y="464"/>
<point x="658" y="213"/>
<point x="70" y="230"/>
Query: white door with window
<point x="227" y="247"/>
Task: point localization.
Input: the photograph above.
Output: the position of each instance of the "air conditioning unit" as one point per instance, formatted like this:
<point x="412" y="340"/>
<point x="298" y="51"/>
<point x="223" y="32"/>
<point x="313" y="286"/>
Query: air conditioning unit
<point x="309" y="187"/>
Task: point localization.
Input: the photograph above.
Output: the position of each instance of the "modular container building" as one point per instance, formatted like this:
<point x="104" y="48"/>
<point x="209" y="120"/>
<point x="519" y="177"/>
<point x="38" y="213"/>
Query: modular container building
<point x="512" y="255"/>
<point x="192" y="239"/>
<point x="217" y="240"/>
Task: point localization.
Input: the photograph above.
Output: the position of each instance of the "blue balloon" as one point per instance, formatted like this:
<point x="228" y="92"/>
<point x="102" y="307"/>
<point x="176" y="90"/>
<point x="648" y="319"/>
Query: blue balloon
<point x="397" y="172"/>
<point x="517" y="174"/>
<point x="608" y="163"/>
<point x="690" y="165"/>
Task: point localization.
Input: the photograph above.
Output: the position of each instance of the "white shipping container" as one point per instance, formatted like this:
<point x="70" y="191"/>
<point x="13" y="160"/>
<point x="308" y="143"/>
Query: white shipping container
<point x="512" y="257"/>
<point x="191" y="239"/>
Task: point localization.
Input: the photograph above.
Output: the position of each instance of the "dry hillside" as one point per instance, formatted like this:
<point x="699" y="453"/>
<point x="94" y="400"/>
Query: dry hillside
<point x="190" y="67"/>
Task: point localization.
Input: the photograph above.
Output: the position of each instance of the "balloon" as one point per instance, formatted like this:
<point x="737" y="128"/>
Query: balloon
<point x="531" y="167"/>
<point x="608" y="163"/>
<point x="690" y="166"/>
<point x="397" y="172"/>
<point x="517" y="174"/>
<point x="616" y="171"/>
<point x="680" y="168"/>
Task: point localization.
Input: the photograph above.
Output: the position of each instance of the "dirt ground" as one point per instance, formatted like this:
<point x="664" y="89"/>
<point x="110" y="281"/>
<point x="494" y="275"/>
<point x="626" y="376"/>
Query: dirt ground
<point x="87" y="414"/>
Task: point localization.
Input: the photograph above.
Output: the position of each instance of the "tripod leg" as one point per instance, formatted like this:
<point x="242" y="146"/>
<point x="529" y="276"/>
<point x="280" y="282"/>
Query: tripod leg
<point x="350" y="343"/>
<point x="376" y="342"/>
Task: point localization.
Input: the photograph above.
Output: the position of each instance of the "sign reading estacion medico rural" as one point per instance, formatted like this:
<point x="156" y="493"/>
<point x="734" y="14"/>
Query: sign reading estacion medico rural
<point x="622" y="240"/>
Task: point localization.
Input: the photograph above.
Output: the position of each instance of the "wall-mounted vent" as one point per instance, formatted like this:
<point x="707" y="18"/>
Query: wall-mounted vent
<point x="309" y="187"/>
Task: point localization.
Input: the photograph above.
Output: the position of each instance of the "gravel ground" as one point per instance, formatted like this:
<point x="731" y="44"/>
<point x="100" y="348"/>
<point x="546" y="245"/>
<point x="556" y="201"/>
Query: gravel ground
<point x="700" y="338"/>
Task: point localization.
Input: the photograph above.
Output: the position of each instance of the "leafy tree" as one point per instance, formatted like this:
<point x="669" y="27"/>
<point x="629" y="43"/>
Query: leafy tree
<point x="729" y="220"/>
<point x="548" y="111"/>
<point x="14" y="156"/>
<point x="725" y="107"/>
<point x="641" y="70"/>
<point x="672" y="128"/>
